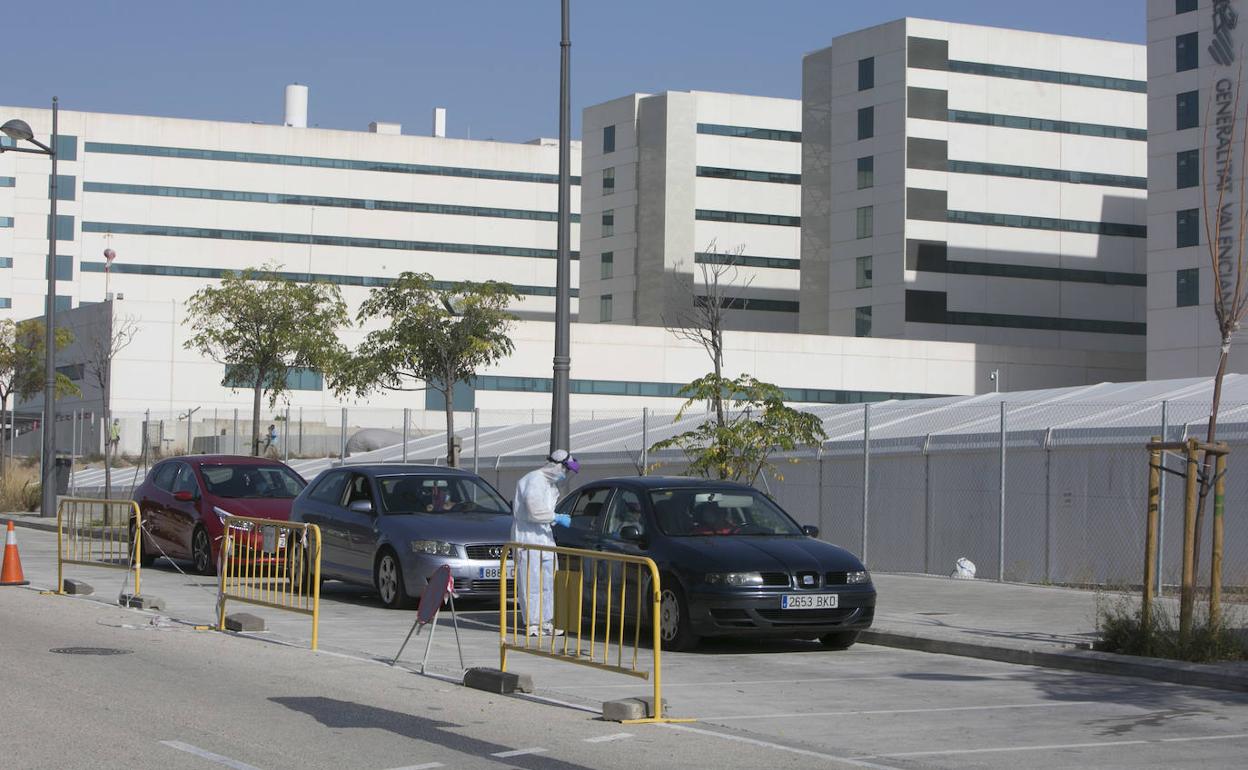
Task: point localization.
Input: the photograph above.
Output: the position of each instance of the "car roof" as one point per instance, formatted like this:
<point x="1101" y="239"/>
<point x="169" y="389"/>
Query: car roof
<point x="409" y="469"/>
<point x="228" y="460"/>
<point x="667" y="482"/>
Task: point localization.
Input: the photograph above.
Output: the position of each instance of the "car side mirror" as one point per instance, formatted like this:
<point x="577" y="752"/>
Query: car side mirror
<point x="361" y="506"/>
<point x="810" y="531"/>
<point x="183" y="496"/>
<point x="630" y="533"/>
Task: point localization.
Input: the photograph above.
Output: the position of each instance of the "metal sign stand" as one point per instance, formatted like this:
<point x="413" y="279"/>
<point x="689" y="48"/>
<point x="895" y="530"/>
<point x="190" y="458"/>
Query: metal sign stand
<point x="438" y="591"/>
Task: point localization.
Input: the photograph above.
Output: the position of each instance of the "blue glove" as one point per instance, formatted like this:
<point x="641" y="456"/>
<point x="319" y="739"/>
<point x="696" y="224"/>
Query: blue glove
<point x="563" y="520"/>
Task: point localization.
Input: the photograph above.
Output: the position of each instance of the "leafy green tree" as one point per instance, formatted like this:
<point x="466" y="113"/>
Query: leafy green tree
<point x="22" y="366"/>
<point x="260" y="325"/>
<point x="756" y="425"/>
<point x="432" y="333"/>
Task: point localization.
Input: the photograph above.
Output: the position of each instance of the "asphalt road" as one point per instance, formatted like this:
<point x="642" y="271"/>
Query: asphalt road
<point x="782" y="704"/>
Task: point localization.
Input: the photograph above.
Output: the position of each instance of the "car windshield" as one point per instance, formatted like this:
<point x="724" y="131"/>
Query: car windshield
<point x="243" y="481"/>
<point x="702" y="512"/>
<point x="426" y="493"/>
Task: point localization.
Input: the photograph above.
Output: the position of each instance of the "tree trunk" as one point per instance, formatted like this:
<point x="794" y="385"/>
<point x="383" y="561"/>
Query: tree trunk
<point x="1206" y="474"/>
<point x="449" y="404"/>
<point x="5" y="428"/>
<point x="255" y="416"/>
<point x="719" y="377"/>
<point x="107" y="430"/>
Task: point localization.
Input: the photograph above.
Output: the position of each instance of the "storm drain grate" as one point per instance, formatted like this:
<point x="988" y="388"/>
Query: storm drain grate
<point x="90" y="651"/>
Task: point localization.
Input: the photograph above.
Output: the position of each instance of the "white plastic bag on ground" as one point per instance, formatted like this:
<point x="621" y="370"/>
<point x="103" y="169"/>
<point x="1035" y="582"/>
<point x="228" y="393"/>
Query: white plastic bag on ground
<point x="964" y="569"/>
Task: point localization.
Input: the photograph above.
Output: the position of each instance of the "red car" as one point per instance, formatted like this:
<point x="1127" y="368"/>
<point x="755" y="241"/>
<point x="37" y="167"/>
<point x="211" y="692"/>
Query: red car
<point x="183" y="502"/>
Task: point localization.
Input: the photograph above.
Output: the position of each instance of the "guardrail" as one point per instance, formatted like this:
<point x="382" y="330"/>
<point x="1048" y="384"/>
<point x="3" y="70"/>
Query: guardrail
<point x="270" y="563"/>
<point x="551" y="587"/>
<point x="97" y="533"/>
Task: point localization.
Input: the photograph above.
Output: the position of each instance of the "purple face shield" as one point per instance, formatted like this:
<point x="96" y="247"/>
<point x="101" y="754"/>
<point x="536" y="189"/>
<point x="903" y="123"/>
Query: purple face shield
<point x="572" y="465"/>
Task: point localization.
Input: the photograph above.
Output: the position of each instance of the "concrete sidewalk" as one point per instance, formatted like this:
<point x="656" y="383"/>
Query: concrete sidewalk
<point x="1007" y="622"/>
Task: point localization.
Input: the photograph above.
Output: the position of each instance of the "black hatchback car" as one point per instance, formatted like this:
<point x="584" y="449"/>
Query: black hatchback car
<point x="731" y="561"/>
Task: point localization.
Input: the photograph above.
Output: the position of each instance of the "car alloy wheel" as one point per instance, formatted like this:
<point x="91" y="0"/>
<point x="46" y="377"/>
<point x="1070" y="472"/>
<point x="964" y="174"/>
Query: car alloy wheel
<point x="674" y="621"/>
<point x="390" y="582"/>
<point x="201" y="553"/>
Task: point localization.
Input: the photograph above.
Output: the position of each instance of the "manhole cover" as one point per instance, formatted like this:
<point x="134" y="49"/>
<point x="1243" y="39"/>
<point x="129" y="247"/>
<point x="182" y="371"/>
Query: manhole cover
<point x="91" y="651"/>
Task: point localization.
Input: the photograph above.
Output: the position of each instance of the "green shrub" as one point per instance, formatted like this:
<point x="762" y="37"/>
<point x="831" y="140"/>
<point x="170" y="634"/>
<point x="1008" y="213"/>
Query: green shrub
<point x="1122" y="630"/>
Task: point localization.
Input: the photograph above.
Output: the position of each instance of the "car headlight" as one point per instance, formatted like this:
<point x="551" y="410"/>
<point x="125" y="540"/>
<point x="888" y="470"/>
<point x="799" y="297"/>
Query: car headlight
<point x="734" y="578"/>
<point x="861" y="576"/>
<point x="245" y="526"/>
<point x="435" y="547"/>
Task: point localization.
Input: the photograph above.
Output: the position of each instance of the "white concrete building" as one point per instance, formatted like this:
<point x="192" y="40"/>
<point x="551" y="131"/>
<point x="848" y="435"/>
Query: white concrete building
<point x="974" y="184"/>
<point x="1195" y="58"/>
<point x="678" y="180"/>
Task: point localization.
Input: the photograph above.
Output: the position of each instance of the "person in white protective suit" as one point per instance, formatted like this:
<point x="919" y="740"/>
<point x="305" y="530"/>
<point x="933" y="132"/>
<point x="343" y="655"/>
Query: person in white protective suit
<point x="534" y="513"/>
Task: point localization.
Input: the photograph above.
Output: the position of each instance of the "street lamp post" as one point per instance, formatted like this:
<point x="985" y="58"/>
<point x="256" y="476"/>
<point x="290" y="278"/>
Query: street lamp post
<point x="559" y="429"/>
<point x="19" y="131"/>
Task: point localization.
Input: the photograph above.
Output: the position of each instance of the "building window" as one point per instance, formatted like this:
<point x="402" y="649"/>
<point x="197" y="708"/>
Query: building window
<point x="866" y="73"/>
<point x="1186" y="110"/>
<point x="66" y="187"/>
<point x="463" y="398"/>
<point x="608" y="139"/>
<point x="608" y="265"/>
<point x="866" y="172"/>
<point x="608" y="181"/>
<point x="64" y="227"/>
<point x="8" y="181"/>
<point x="64" y="267"/>
<point x="862" y="322"/>
<point x="63" y="303"/>
<point x="6" y="303"/>
<point x="66" y="147"/>
<point x="1187" y="287"/>
<point x="866" y="221"/>
<point x="1183" y="6"/>
<point x="604" y="307"/>
<point x="6" y="262"/>
<point x="1186" y="55"/>
<point x="1187" y="228"/>
<point x="297" y="378"/>
<point x="608" y="223"/>
<point x="866" y="122"/>
<point x="1187" y="169"/>
<point x="863" y="280"/>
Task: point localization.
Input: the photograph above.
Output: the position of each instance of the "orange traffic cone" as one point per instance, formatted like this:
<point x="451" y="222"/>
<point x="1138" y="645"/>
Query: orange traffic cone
<point x="11" y="573"/>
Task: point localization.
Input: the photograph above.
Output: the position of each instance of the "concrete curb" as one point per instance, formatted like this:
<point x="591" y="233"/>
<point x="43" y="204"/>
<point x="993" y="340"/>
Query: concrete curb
<point x="31" y="522"/>
<point x="1178" y="672"/>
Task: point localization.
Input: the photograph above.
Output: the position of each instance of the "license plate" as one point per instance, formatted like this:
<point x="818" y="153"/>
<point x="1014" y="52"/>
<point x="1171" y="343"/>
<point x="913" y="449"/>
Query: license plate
<point x="809" y="601"/>
<point x="493" y="573"/>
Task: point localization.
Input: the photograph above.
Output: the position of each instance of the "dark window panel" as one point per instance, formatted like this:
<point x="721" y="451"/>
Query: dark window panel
<point x="927" y="103"/>
<point x="927" y="53"/>
<point x="930" y="154"/>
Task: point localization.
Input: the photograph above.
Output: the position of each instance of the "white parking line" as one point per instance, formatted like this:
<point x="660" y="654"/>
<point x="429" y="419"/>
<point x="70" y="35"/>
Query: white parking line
<point x="898" y="711"/>
<point x="208" y="755"/>
<point x="612" y="737"/>
<point x="1054" y="747"/>
<point x="667" y="684"/>
<point x="859" y="762"/>
<point x="518" y="752"/>
<point x="426" y="766"/>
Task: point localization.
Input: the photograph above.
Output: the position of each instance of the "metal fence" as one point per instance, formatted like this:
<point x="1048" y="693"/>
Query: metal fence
<point x="1033" y="487"/>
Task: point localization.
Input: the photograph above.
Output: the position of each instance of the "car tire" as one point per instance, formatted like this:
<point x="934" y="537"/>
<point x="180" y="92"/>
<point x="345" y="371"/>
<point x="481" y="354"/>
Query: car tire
<point x="839" y="640"/>
<point x="201" y="552"/>
<point x="388" y="579"/>
<point x="145" y="559"/>
<point x="675" y="625"/>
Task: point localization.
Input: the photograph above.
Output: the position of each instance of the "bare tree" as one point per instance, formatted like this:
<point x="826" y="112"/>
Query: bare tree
<point x="702" y="320"/>
<point x="102" y="347"/>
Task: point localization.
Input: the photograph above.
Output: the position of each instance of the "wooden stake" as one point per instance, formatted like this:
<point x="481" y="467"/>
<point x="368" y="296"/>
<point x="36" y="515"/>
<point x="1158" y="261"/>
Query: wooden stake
<point x="1150" y="538"/>
<point x="1187" y="592"/>
<point x="1215" y="562"/>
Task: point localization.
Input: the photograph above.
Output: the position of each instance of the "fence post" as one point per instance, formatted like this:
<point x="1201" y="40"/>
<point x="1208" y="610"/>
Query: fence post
<point x="1150" y="534"/>
<point x="73" y="450"/>
<point x="476" y="438"/>
<point x="927" y="505"/>
<point x="407" y="419"/>
<point x="286" y="430"/>
<point x="1001" y="505"/>
<point x="235" y="438"/>
<point x="300" y="430"/>
<point x="1161" y="504"/>
<point x="645" y="440"/>
<point x="1215" y="559"/>
<point x="342" y="439"/>
<point x="819" y="486"/>
<point x="866" y="476"/>
<point x="189" y="433"/>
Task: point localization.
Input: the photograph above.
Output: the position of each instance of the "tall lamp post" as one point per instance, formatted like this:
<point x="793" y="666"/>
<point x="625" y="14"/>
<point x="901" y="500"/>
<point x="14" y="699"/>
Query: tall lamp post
<point x="563" y="274"/>
<point x="20" y="131"/>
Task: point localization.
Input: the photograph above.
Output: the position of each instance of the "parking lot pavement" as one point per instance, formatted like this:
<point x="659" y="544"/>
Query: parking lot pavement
<point x="876" y="705"/>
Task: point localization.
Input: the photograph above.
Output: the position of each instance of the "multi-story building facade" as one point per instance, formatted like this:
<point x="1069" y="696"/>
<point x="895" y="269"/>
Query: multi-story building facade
<point x="681" y="181"/>
<point x="1196" y="166"/>
<point x="974" y="184"/>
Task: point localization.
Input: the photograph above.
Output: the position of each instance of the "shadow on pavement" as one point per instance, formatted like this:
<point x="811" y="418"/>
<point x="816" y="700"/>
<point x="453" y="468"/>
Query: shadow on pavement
<point x="341" y="714"/>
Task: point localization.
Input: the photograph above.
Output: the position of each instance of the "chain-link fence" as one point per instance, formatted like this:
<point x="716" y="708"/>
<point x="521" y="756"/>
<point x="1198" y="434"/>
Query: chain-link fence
<point x="1049" y="491"/>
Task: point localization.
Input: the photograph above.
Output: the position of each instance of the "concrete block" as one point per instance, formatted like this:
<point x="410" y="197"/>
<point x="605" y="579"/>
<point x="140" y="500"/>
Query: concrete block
<point x="244" y="621"/>
<point x="141" y="602"/>
<point x="495" y="681"/>
<point x="630" y="708"/>
<point x="77" y="587"/>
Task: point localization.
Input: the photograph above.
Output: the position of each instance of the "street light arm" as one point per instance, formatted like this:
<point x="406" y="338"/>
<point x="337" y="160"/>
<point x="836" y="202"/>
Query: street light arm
<point x="45" y="151"/>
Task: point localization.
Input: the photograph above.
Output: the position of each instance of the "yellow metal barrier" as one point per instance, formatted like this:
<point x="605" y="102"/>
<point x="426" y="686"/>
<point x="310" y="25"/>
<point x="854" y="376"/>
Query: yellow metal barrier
<point x="97" y="533"/>
<point x="271" y="563"/>
<point x="623" y="590"/>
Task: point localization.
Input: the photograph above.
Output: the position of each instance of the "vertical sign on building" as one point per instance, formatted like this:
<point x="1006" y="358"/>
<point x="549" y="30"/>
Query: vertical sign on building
<point x="1225" y="101"/>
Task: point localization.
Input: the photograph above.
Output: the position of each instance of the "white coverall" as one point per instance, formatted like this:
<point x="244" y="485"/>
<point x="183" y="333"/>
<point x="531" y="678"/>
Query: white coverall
<point x="534" y="510"/>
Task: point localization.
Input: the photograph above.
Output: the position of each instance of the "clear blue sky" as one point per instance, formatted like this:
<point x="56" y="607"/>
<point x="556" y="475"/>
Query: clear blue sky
<point x="493" y="63"/>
